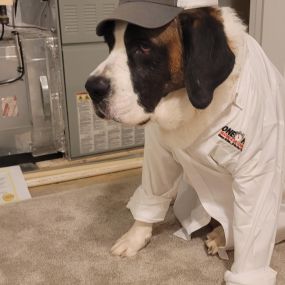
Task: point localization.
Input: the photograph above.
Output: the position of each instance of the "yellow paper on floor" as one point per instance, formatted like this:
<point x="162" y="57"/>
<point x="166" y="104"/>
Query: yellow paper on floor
<point x="13" y="187"/>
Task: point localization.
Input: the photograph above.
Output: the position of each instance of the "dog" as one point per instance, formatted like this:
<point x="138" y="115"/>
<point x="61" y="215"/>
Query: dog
<point x="183" y="82"/>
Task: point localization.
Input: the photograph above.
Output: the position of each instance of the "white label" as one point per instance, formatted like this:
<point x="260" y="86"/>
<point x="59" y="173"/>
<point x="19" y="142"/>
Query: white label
<point x="85" y="123"/>
<point x="13" y="186"/>
<point x="97" y="135"/>
<point x="9" y="107"/>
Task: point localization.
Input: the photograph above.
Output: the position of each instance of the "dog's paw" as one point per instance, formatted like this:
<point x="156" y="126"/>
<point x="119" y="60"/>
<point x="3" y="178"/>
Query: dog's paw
<point x="215" y="239"/>
<point x="135" y="239"/>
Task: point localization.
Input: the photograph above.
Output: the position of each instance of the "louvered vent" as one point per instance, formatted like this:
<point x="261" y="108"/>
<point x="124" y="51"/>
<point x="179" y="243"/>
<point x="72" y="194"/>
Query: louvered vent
<point x="89" y="17"/>
<point x="80" y="18"/>
<point x="70" y="16"/>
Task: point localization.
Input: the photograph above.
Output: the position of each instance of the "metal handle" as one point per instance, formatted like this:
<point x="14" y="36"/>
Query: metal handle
<point x="45" y="96"/>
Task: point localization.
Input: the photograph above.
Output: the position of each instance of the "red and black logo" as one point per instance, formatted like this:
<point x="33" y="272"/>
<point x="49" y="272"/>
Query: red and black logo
<point x="237" y="139"/>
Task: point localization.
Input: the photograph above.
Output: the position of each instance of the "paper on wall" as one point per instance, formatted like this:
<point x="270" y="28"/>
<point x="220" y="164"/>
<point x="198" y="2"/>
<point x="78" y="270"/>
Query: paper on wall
<point x="13" y="187"/>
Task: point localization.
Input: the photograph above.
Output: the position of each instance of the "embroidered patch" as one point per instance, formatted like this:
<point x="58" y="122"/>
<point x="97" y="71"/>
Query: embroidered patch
<point x="235" y="138"/>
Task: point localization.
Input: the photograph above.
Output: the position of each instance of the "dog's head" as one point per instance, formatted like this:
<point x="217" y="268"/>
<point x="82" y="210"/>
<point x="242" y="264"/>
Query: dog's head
<point x="146" y="65"/>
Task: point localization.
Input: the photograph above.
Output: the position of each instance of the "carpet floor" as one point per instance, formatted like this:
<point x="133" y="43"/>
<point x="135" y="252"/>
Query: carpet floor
<point x="64" y="238"/>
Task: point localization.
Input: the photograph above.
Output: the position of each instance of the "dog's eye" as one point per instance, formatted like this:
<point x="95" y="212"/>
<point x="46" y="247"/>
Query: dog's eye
<point x="144" y="48"/>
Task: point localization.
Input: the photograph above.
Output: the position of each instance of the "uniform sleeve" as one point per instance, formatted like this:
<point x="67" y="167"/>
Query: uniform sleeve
<point x="257" y="196"/>
<point x="160" y="180"/>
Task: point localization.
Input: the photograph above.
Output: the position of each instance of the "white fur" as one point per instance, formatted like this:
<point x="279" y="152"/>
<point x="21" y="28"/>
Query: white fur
<point x="135" y="239"/>
<point x="123" y="102"/>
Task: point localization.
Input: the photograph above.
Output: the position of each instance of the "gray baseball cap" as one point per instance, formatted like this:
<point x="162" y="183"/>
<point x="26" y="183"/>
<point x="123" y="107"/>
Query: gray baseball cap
<point x="144" y="13"/>
<point x="151" y="13"/>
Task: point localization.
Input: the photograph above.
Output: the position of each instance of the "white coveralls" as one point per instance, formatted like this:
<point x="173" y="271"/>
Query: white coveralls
<point x="234" y="172"/>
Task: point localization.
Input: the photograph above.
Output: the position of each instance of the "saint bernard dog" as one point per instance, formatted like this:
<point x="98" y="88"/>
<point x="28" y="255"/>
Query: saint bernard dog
<point x="179" y="77"/>
<point x="176" y="75"/>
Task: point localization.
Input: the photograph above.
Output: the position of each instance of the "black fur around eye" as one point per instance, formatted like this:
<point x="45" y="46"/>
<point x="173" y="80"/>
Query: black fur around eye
<point x="149" y="66"/>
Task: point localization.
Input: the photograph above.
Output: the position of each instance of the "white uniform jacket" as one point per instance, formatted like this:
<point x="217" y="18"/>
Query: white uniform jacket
<point x="234" y="172"/>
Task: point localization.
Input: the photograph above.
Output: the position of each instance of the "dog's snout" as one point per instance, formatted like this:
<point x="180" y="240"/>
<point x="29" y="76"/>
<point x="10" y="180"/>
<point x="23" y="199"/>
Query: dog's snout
<point x="98" y="87"/>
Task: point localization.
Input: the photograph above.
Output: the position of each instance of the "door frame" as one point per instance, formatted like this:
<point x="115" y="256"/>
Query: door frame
<point x="256" y="19"/>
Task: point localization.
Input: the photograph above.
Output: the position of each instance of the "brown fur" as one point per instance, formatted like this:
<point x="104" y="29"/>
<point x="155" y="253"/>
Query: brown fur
<point x="170" y="37"/>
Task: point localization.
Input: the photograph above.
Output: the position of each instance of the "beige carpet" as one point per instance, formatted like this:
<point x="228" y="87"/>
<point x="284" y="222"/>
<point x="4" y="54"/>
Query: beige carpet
<point x="64" y="238"/>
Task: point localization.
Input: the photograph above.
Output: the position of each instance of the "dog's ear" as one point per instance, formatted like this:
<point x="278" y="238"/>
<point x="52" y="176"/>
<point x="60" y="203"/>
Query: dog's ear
<point x="208" y="59"/>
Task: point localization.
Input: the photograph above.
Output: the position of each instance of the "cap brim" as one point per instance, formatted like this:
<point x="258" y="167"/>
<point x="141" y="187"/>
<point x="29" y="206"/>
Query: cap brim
<point x="145" y="14"/>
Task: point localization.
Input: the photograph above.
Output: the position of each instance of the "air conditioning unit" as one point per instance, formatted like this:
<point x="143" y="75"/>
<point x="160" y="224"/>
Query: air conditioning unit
<point x="31" y="119"/>
<point x="75" y="23"/>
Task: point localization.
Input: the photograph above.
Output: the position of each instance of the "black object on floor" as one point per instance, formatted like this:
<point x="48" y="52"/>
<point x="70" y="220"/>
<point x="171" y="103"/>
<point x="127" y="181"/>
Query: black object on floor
<point x="26" y="158"/>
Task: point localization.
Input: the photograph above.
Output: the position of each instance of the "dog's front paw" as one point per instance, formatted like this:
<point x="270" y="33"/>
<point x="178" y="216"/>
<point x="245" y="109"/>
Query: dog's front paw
<point x="215" y="239"/>
<point x="135" y="239"/>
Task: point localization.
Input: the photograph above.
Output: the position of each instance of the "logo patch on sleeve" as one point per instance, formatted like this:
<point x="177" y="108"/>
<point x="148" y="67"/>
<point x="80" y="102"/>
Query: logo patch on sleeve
<point x="235" y="138"/>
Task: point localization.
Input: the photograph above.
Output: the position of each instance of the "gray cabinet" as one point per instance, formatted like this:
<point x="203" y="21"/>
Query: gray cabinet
<point x="30" y="111"/>
<point x="82" y="51"/>
<point x="80" y="18"/>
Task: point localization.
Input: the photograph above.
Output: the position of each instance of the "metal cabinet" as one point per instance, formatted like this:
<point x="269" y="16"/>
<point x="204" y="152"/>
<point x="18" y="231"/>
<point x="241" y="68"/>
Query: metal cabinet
<point x="79" y="19"/>
<point x="82" y="51"/>
<point x="30" y="113"/>
<point x="15" y="119"/>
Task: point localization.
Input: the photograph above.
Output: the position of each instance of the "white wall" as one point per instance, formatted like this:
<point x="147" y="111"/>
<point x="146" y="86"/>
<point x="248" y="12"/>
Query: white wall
<point x="273" y="32"/>
<point x="267" y="25"/>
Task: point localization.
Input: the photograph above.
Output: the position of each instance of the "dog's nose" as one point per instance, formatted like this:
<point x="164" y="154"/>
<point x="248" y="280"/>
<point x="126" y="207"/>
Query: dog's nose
<point x="98" y="88"/>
